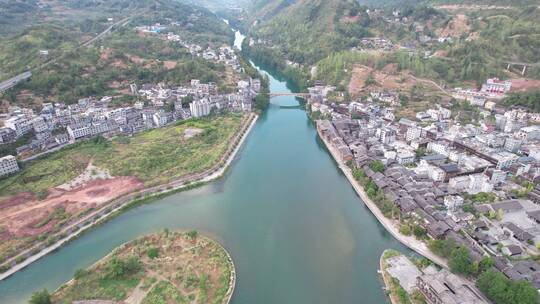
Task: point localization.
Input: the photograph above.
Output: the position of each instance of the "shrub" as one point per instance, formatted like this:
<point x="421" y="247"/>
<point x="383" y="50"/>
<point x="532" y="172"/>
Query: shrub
<point x="419" y="232"/>
<point x="405" y="229"/>
<point x="79" y="273"/>
<point x="40" y="297"/>
<point x="118" y="268"/>
<point x="152" y="253"/>
<point x="192" y="234"/>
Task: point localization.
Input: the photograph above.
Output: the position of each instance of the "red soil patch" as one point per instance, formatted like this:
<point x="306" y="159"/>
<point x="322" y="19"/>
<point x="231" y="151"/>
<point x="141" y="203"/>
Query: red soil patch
<point x="349" y="19"/>
<point x="21" y="217"/>
<point x="18" y="199"/>
<point x="457" y="26"/>
<point x="98" y="192"/>
<point x="387" y="79"/>
<point x="524" y="84"/>
<point x="119" y="64"/>
<point x="169" y="65"/>
<point x="105" y="54"/>
<point x="136" y="59"/>
<point x="115" y="84"/>
<point x="440" y="53"/>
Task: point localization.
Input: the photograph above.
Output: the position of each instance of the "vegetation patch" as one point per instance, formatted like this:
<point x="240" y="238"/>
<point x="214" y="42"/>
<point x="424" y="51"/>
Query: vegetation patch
<point x="188" y="270"/>
<point x="155" y="156"/>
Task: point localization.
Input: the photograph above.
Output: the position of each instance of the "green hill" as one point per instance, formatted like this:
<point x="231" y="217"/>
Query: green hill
<point x="307" y="30"/>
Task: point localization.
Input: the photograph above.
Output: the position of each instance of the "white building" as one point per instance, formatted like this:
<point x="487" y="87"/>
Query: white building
<point x="479" y="183"/>
<point x="78" y="131"/>
<point x="413" y="133"/>
<point x="442" y="148"/>
<point x="504" y="159"/>
<point x="19" y="124"/>
<point x="40" y="125"/>
<point x="386" y="135"/>
<point x="478" y="101"/>
<point x="494" y="85"/>
<point x="8" y="165"/>
<point x="497" y="176"/>
<point x="199" y="108"/>
<point x="453" y="202"/>
<point x="405" y="157"/>
<point x="436" y="174"/>
<point x="99" y="128"/>
<point x="512" y="144"/>
<point x="459" y="183"/>
<point x="160" y="119"/>
<point x="433" y="172"/>
<point x="529" y="133"/>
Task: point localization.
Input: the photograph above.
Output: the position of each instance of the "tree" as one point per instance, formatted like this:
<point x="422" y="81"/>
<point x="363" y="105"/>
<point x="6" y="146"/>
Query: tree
<point x="485" y="264"/>
<point x="501" y="290"/>
<point x="420" y="152"/>
<point x="262" y="101"/>
<point x="442" y="247"/>
<point x="376" y="166"/>
<point x="118" y="268"/>
<point x="460" y="261"/>
<point x="40" y="297"/>
<point x="192" y="234"/>
<point x="419" y="232"/>
<point x="187" y="100"/>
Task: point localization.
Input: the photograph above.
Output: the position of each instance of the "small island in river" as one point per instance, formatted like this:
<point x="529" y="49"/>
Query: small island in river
<point x="165" y="267"/>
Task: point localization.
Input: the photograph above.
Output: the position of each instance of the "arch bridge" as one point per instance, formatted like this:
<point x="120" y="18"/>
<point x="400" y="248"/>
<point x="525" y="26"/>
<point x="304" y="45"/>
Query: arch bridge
<point x="300" y="95"/>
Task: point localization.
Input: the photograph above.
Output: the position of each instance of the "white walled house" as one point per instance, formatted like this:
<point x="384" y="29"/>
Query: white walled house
<point x="8" y="165"/>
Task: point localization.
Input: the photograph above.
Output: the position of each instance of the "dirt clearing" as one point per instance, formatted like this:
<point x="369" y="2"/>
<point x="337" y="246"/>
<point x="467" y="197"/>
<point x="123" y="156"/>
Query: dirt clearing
<point x="386" y="79"/>
<point x="524" y="84"/>
<point x="21" y="219"/>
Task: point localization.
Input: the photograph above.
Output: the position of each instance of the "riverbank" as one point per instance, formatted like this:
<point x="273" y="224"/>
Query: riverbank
<point x="386" y="279"/>
<point x="120" y="204"/>
<point x="160" y="267"/>
<point x="391" y="226"/>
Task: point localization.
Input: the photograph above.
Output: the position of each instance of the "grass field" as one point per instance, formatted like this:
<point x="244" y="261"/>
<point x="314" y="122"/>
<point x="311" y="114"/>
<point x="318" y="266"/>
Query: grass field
<point x="167" y="267"/>
<point x="155" y="156"/>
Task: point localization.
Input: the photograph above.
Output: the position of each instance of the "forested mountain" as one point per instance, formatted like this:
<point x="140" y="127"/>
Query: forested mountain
<point x="478" y="37"/>
<point x="81" y="20"/>
<point x="308" y="30"/>
<point x="72" y="69"/>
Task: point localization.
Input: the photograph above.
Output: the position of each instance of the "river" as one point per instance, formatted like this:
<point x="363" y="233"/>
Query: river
<point x="295" y="228"/>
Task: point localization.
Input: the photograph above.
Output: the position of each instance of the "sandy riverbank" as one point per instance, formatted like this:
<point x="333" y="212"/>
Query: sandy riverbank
<point x="390" y="225"/>
<point x="99" y="216"/>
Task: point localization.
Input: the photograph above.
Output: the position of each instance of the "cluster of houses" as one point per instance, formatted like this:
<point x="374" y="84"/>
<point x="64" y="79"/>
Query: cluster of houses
<point x="377" y="43"/>
<point x="59" y="124"/>
<point x="223" y="54"/>
<point x="437" y="286"/>
<point x="433" y="167"/>
<point x="493" y="88"/>
<point x="158" y="105"/>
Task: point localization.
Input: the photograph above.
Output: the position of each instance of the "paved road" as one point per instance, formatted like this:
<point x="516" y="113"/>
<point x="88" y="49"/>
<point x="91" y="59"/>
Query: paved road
<point x="8" y="84"/>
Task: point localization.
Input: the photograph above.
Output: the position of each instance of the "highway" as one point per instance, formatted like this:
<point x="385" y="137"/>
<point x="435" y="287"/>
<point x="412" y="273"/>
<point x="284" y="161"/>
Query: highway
<point x="8" y="84"/>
